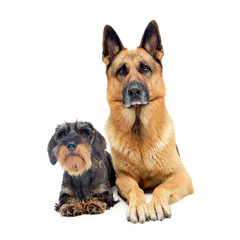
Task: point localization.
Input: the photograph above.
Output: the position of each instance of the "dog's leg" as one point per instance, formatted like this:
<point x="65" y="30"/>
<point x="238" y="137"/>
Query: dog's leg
<point x="63" y="198"/>
<point x="106" y="197"/>
<point x="68" y="205"/>
<point x="129" y="189"/>
<point x="73" y="207"/>
<point x="172" y="190"/>
<point x="94" y="206"/>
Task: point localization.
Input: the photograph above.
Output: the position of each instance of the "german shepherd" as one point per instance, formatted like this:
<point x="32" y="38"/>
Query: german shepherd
<point x="139" y="128"/>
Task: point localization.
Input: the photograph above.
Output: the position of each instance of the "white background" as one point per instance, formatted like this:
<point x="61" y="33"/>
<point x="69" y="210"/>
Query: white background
<point x="51" y="71"/>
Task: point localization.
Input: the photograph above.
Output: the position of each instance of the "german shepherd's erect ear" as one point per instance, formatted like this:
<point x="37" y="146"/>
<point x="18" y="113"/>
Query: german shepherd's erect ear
<point x="151" y="41"/>
<point x="112" y="45"/>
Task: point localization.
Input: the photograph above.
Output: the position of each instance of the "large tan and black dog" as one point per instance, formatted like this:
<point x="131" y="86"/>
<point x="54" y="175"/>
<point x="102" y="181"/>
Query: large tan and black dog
<point x="139" y="128"/>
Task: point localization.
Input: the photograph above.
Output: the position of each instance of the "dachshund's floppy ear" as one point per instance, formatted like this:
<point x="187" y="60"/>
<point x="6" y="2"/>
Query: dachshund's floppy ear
<point x="98" y="144"/>
<point x="51" y="145"/>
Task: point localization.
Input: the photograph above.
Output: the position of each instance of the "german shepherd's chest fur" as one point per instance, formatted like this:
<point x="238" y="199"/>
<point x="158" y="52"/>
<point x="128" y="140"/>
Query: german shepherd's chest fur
<point x="144" y="142"/>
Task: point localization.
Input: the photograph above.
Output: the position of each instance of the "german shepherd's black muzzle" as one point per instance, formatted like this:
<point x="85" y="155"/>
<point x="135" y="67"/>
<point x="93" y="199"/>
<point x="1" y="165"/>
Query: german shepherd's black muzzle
<point x="135" y="93"/>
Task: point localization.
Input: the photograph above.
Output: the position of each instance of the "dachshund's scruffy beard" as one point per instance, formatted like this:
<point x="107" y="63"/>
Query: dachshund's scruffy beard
<point x="77" y="161"/>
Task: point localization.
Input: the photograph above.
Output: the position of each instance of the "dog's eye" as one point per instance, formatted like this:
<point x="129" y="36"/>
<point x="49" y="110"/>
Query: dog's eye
<point x="84" y="132"/>
<point x="122" y="71"/>
<point x="144" y="68"/>
<point x="61" y="135"/>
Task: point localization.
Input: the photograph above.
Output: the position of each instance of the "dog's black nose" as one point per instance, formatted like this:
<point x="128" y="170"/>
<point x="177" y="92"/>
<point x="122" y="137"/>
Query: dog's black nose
<point x="135" y="93"/>
<point x="135" y="90"/>
<point x="71" y="146"/>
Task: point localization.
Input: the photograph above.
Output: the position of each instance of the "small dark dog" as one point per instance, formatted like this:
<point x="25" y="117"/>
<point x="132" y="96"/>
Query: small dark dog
<point x="88" y="175"/>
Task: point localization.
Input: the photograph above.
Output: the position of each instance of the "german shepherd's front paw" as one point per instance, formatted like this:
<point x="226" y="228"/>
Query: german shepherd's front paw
<point x="138" y="212"/>
<point x="159" y="210"/>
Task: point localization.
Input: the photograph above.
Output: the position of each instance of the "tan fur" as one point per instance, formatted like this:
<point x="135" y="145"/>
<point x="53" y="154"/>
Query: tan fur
<point x="67" y="191"/>
<point x="94" y="206"/>
<point x="72" y="208"/>
<point x="143" y="142"/>
<point x="75" y="162"/>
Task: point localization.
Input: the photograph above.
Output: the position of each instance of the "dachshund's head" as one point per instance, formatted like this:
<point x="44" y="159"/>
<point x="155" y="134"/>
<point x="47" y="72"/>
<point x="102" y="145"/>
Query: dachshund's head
<point x="73" y="145"/>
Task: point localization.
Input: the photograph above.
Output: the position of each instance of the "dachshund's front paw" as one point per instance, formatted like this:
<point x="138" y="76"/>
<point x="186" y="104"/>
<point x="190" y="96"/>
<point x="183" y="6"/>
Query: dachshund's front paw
<point x="94" y="207"/>
<point x="71" y="209"/>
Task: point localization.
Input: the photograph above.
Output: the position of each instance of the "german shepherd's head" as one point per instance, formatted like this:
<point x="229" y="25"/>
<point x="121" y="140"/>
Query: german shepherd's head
<point x="134" y="76"/>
